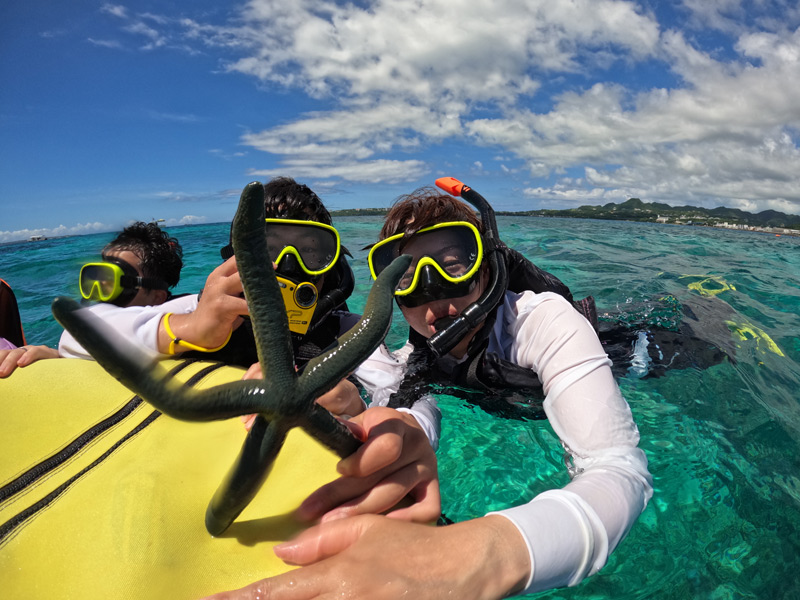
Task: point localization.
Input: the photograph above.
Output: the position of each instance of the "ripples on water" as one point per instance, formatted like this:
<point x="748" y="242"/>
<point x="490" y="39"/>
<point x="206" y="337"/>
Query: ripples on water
<point x="722" y="442"/>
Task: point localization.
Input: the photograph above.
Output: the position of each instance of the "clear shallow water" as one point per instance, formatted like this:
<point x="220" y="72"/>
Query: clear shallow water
<point x="722" y="442"/>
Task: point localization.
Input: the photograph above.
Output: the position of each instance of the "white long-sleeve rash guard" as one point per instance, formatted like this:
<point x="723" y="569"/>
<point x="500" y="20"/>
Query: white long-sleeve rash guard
<point x="139" y="324"/>
<point x="570" y="532"/>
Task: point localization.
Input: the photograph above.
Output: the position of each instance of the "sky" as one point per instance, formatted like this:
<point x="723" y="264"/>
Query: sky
<point x="116" y="112"/>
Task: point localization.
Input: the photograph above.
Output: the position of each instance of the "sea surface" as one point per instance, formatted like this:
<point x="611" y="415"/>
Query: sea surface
<point x="722" y="441"/>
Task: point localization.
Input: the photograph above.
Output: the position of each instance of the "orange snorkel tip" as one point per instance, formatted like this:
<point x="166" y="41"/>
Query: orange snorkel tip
<point x="451" y="185"/>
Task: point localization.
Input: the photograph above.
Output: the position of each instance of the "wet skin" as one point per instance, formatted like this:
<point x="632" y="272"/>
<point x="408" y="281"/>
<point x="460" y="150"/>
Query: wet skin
<point x="283" y="399"/>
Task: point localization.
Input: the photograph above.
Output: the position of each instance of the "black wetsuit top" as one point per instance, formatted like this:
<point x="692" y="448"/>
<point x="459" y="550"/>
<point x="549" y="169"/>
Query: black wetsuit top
<point x="323" y="333"/>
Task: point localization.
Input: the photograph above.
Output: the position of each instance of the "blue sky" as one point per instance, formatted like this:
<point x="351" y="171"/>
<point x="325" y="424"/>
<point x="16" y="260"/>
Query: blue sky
<point x="111" y="113"/>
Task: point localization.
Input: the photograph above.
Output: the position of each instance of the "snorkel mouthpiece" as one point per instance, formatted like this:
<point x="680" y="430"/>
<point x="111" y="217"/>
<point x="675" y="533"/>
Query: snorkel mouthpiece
<point x="443" y="323"/>
<point x="443" y="341"/>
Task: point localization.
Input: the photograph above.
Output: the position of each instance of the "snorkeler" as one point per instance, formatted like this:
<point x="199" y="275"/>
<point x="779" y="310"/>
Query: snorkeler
<point x="14" y="351"/>
<point x="137" y="268"/>
<point x="485" y="377"/>
<point x="467" y="326"/>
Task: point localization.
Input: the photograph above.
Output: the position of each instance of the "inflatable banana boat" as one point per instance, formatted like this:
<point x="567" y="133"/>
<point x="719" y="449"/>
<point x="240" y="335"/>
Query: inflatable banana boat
<point x="102" y="496"/>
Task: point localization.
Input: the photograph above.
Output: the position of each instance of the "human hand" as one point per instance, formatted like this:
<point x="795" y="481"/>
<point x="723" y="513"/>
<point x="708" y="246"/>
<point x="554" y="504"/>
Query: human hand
<point x="396" y="461"/>
<point x="375" y="557"/>
<point x="22" y="357"/>
<point x="219" y="311"/>
<point x="342" y="401"/>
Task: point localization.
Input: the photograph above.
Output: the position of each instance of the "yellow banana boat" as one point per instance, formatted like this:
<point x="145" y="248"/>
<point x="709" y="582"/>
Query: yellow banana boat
<point x="102" y="496"/>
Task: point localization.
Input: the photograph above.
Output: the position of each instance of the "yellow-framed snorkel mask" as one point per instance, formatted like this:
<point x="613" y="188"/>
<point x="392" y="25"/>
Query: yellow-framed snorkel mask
<point x="315" y="246"/>
<point x="447" y="256"/>
<point x="303" y="251"/>
<point x="115" y="281"/>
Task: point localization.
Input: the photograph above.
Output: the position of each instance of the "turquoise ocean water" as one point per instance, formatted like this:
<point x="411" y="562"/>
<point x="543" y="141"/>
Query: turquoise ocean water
<point x="722" y="442"/>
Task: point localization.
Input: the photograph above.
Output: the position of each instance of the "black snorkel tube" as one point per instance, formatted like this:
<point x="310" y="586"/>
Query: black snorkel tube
<point x="334" y="297"/>
<point x="445" y="340"/>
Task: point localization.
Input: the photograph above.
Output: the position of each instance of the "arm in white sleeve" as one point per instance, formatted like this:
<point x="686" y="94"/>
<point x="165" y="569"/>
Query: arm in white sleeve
<point x="138" y="324"/>
<point x="570" y="532"/>
<point x="381" y="375"/>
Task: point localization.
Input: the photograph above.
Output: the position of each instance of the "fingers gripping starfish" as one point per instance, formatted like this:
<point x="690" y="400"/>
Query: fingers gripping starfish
<point x="283" y="398"/>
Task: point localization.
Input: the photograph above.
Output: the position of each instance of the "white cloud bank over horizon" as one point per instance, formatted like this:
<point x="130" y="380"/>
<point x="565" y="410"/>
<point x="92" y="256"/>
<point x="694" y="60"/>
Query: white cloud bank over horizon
<point x="21" y="235"/>
<point x="535" y="80"/>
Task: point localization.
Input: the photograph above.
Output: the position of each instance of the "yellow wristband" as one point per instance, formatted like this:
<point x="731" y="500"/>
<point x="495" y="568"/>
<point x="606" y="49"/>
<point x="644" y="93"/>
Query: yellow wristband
<point x="176" y="340"/>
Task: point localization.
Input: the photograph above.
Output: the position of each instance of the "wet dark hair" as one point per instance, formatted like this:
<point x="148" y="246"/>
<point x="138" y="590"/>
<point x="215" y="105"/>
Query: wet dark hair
<point x="284" y="198"/>
<point x="424" y="207"/>
<point x="161" y="255"/>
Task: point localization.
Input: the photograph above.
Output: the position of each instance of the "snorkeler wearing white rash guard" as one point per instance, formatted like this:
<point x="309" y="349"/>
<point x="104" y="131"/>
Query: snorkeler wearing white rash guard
<point x="466" y="325"/>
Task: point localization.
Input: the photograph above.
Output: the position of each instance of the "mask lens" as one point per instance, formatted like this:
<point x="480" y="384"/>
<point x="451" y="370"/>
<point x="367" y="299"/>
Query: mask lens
<point x="383" y="253"/>
<point x="432" y="286"/>
<point x="100" y="281"/>
<point x="315" y="246"/>
<point x="453" y="249"/>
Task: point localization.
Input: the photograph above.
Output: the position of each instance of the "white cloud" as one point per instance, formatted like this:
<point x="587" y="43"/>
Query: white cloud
<point x="432" y="50"/>
<point x="553" y="86"/>
<point x="115" y="10"/>
<point x="185" y="220"/>
<point x="224" y="154"/>
<point x="51" y="232"/>
<point x="723" y="15"/>
<point x="173" y="117"/>
<point x="729" y="136"/>
<point x="403" y="80"/>
<point x="140" y="28"/>
<point x="115" y="44"/>
<point x="372" y="171"/>
<point x="209" y="197"/>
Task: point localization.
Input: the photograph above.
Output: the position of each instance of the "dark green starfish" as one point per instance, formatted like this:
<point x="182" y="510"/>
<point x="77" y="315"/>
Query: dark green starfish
<point x="283" y="398"/>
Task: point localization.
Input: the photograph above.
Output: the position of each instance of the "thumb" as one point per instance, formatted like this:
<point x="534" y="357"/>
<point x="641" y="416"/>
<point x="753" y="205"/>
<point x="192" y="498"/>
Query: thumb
<point x="324" y="540"/>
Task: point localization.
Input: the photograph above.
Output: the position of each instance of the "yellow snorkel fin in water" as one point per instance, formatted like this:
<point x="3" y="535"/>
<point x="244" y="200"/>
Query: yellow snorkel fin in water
<point x="748" y="331"/>
<point x="712" y="285"/>
<point x="708" y="285"/>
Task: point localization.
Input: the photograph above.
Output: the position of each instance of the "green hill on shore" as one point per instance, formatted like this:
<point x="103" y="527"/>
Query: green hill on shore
<point x="636" y="210"/>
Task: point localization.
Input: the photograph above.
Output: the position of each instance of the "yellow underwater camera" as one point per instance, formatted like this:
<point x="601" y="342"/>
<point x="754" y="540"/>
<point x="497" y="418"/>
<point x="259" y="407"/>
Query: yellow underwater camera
<point x="300" y="300"/>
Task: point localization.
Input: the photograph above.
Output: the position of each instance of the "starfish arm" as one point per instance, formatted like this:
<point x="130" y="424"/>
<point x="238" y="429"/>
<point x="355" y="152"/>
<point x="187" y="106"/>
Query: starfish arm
<point x="145" y="377"/>
<point x="267" y="311"/>
<point x="329" y="431"/>
<point x="226" y="401"/>
<point x="354" y="347"/>
<point x="247" y="474"/>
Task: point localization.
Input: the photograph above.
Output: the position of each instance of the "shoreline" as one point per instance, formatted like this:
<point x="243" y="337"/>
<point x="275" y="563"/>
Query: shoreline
<point x="368" y="212"/>
<point x="777" y="231"/>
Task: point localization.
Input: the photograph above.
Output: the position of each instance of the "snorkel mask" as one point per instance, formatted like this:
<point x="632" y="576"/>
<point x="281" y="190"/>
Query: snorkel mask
<point x="303" y="251"/>
<point x="115" y="281"/>
<point x="450" y="256"/>
<point x="448" y="259"/>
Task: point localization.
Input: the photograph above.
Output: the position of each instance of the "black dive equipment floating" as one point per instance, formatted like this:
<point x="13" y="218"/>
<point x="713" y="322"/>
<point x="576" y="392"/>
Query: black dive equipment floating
<point x="445" y="340"/>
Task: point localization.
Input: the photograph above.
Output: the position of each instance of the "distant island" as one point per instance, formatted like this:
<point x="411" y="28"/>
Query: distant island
<point x="651" y="212"/>
<point x="654" y="212"/>
<point x="360" y="212"/>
